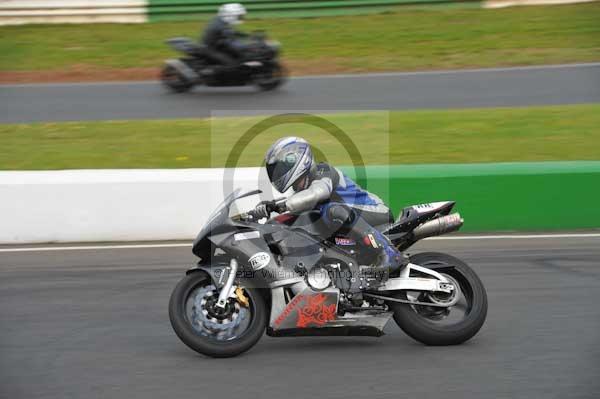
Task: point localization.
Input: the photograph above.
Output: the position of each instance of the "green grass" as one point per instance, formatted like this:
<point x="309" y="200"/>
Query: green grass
<point x="404" y="40"/>
<point x="475" y="135"/>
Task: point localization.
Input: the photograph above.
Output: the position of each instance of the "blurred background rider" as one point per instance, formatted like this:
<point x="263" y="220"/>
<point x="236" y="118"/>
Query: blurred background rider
<point x="221" y="38"/>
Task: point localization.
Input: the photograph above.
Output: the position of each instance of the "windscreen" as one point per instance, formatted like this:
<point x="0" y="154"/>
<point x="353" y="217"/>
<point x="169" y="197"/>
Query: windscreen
<point x="224" y="206"/>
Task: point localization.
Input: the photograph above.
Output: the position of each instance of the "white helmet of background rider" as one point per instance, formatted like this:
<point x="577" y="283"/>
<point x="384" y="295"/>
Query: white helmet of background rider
<point x="232" y="13"/>
<point x="288" y="161"/>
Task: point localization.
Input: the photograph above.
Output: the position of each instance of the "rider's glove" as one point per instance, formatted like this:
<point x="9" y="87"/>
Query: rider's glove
<point x="264" y="209"/>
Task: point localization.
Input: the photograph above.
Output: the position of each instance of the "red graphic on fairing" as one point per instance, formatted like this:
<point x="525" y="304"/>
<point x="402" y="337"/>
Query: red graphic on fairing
<point x="315" y="311"/>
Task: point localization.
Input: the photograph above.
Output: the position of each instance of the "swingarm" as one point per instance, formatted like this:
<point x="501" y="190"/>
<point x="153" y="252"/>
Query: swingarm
<point x="437" y="283"/>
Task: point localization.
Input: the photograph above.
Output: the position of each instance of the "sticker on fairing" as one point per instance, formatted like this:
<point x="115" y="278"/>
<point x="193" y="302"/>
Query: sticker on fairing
<point x="259" y="260"/>
<point x="246" y="236"/>
<point x="422" y="208"/>
<point x="344" y="241"/>
<point x="373" y="241"/>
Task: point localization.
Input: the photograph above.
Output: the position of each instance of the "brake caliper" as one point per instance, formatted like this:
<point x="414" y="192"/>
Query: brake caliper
<point x="241" y="297"/>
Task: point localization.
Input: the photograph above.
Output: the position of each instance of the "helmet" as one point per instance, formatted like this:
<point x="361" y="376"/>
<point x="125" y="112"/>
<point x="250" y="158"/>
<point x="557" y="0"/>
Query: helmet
<point x="288" y="160"/>
<point x="232" y="13"/>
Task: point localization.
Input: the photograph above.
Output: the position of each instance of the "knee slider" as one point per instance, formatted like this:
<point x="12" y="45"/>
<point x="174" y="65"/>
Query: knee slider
<point x="340" y="215"/>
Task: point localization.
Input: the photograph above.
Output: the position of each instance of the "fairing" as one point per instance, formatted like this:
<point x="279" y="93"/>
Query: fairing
<point x="218" y="222"/>
<point x="316" y="313"/>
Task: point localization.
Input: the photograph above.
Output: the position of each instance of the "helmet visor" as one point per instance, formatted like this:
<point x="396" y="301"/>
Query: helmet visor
<point x="281" y="170"/>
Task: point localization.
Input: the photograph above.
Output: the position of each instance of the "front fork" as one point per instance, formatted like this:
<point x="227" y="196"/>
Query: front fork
<point x="228" y="289"/>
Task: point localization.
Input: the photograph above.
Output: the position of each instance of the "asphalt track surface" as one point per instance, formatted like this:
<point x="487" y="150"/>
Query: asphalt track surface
<point x="94" y="324"/>
<point x="544" y="85"/>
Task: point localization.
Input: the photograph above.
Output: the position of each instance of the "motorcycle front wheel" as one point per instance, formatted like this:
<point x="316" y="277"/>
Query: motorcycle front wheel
<point x="438" y="325"/>
<point x="272" y="79"/>
<point x="214" y="331"/>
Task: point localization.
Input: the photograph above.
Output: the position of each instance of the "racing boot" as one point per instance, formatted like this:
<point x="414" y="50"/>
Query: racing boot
<point x="387" y="259"/>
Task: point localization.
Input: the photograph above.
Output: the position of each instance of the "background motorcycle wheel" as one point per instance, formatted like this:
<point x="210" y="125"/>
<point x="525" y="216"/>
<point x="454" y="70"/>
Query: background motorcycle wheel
<point x="173" y="80"/>
<point x="443" y="326"/>
<point x="195" y="324"/>
<point x="273" y="80"/>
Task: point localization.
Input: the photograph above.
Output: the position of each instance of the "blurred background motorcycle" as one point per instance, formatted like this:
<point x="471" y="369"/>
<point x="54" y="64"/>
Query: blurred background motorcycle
<point x="259" y="66"/>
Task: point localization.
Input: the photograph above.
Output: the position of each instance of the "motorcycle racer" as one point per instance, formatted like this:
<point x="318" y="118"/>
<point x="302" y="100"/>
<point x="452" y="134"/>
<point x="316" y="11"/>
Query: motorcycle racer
<point x="290" y="276"/>
<point x="343" y="204"/>
<point x="220" y="37"/>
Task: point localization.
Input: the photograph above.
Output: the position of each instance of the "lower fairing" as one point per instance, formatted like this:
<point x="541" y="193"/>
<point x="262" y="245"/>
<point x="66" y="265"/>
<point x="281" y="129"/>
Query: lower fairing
<point x="341" y="331"/>
<point x="315" y="313"/>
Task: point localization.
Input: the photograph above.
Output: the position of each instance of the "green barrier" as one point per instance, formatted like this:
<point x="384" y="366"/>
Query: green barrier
<point x="497" y="197"/>
<point x="161" y="10"/>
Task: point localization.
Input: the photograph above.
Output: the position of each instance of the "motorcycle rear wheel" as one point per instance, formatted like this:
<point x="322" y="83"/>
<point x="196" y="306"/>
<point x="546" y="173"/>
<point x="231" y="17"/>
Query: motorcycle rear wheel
<point x="173" y="80"/>
<point x="438" y="326"/>
<point x="193" y="318"/>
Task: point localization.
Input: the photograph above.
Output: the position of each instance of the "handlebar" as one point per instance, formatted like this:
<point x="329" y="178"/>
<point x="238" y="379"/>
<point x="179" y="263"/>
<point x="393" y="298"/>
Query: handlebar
<point x="251" y="215"/>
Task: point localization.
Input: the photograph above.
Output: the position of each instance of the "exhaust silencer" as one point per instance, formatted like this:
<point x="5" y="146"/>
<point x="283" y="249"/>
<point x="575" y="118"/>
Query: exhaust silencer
<point x="439" y="226"/>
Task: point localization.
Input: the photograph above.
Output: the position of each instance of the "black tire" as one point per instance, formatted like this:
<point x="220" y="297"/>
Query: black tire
<point x="173" y="80"/>
<point x="428" y="331"/>
<point x="202" y="344"/>
<point x="277" y="78"/>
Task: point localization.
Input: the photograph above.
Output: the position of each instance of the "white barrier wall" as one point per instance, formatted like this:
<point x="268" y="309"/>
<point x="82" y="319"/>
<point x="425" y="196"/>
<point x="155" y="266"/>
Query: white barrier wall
<point x="18" y="12"/>
<point x="512" y="3"/>
<point x="115" y="205"/>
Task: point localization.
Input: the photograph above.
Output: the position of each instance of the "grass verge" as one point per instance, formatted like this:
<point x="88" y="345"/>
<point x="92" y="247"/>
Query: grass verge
<point x="407" y="39"/>
<point x="551" y="133"/>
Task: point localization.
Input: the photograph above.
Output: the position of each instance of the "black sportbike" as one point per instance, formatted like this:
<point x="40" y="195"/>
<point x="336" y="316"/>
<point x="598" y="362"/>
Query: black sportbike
<point x="281" y="275"/>
<point x="259" y="66"/>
